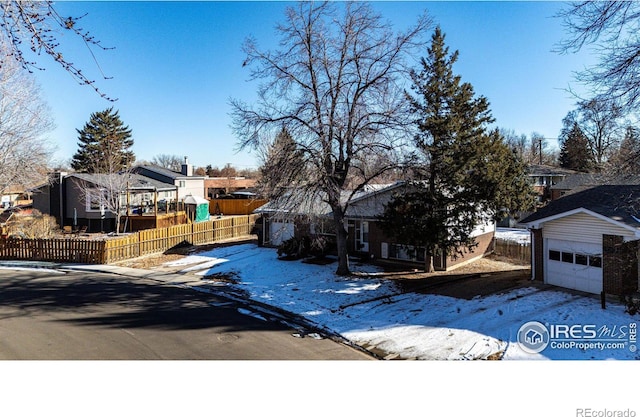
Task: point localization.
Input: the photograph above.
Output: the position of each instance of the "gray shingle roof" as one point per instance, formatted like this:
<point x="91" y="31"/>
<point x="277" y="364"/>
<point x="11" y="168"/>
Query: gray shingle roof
<point x="536" y="170"/>
<point x="582" y="181"/>
<point x="135" y="181"/>
<point x="620" y="203"/>
<point x="365" y="203"/>
<point x="162" y="171"/>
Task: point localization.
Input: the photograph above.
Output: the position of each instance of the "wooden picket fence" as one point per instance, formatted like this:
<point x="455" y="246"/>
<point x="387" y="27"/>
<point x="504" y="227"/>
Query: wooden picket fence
<point x="513" y="250"/>
<point x="130" y="246"/>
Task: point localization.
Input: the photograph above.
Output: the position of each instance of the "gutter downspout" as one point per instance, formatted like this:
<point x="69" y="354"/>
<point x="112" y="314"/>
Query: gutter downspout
<point x="532" y="248"/>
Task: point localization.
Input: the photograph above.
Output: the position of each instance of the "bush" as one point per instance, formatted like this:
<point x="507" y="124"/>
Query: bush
<point x="632" y="303"/>
<point x="34" y="226"/>
<point x="294" y="248"/>
<point x="298" y="248"/>
<point x="322" y="245"/>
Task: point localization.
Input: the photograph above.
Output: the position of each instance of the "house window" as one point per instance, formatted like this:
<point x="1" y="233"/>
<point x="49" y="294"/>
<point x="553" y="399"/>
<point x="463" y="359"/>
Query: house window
<point x="406" y="253"/>
<point x="567" y="257"/>
<point x="554" y="255"/>
<point x="182" y="184"/>
<point x="94" y="201"/>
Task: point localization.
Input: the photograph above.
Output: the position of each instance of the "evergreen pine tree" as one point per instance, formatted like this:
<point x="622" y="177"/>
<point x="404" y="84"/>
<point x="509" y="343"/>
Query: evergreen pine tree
<point x="469" y="174"/>
<point x="104" y="144"/>
<point x="575" y="152"/>
<point x="283" y="164"/>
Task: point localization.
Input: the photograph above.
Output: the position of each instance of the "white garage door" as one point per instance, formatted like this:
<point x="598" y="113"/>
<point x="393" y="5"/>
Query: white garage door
<point x="280" y="231"/>
<point x="574" y="265"/>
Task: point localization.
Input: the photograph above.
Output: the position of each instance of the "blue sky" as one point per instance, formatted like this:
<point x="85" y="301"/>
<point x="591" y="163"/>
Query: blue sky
<point x="175" y="65"/>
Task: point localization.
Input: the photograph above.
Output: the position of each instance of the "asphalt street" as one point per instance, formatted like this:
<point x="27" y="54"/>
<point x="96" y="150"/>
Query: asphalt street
<point x="88" y="315"/>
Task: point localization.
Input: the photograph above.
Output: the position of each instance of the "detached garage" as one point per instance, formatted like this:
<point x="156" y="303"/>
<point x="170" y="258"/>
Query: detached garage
<point x="588" y="241"/>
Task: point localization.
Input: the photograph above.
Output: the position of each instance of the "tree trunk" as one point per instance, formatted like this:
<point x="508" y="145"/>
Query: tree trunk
<point x="341" y="243"/>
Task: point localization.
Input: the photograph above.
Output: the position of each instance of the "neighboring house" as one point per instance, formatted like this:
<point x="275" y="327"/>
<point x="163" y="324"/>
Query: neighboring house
<point x="14" y="196"/>
<point x="544" y="177"/>
<point x="187" y="183"/>
<point x="11" y="214"/>
<point x="218" y="187"/>
<point x="579" y="182"/>
<point x="588" y="240"/>
<point x="366" y="239"/>
<point x="69" y="198"/>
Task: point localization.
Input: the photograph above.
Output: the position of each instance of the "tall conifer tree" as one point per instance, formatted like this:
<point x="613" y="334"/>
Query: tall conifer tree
<point x="104" y="144"/>
<point x="468" y="174"/>
<point x="575" y="152"/>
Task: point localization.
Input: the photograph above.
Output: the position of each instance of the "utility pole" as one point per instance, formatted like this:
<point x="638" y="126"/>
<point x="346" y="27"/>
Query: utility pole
<point x="540" y="148"/>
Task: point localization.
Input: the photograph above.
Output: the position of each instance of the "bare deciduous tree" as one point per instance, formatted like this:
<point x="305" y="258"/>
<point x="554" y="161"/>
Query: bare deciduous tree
<point x="336" y="85"/>
<point x="172" y="162"/>
<point x="24" y="121"/>
<point x="599" y="121"/>
<point x="534" y="149"/>
<point x="612" y="26"/>
<point x="37" y="24"/>
<point x="625" y="160"/>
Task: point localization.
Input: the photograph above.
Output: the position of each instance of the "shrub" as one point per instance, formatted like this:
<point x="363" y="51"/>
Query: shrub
<point x="294" y="248"/>
<point x="34" y="226"/>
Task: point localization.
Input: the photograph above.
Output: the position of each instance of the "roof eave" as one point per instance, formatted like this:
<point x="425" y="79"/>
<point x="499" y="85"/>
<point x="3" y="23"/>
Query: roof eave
<point x="538" y="223"/>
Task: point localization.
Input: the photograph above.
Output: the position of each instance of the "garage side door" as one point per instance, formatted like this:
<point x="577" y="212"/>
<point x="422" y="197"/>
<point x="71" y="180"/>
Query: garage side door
<point x="280" y="231"/>
<point x="574" y="265"/>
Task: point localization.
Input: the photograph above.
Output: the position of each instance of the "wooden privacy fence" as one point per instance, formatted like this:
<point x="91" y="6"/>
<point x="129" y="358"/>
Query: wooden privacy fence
<point x="234" y="206"/>
<point x="513" y="250"/>
<point x="53" y="250"/>
<point x="130" y="246"/>
<point x="150" y="241"/>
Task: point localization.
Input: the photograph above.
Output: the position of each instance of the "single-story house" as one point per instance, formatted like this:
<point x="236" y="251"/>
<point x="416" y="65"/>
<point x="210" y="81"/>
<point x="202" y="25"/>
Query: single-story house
<point x="588" y="240"/>
<point x="365" y="237"/>
<point x="291" y="217"/>
<point x="219" y="187"/>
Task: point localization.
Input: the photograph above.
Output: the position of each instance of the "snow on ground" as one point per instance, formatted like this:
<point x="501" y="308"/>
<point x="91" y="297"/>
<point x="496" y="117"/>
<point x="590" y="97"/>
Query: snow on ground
<point x="514" y="235"/>
<point x="371" y="311"/>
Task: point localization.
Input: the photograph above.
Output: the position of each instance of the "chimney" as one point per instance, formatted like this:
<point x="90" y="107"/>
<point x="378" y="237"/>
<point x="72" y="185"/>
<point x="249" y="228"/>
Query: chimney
<point x="187" y="169"/>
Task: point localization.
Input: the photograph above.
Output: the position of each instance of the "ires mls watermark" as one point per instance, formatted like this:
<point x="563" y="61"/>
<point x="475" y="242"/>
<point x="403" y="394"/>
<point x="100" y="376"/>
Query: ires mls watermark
<point x="534" y="337"/>
<point x="591" y="412"/>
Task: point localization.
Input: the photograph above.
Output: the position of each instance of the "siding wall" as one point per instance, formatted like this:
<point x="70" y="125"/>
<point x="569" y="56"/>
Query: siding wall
<point x="377" y="238"/>
<point x="485" y="246"/>
<point x="582" y="227"/>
